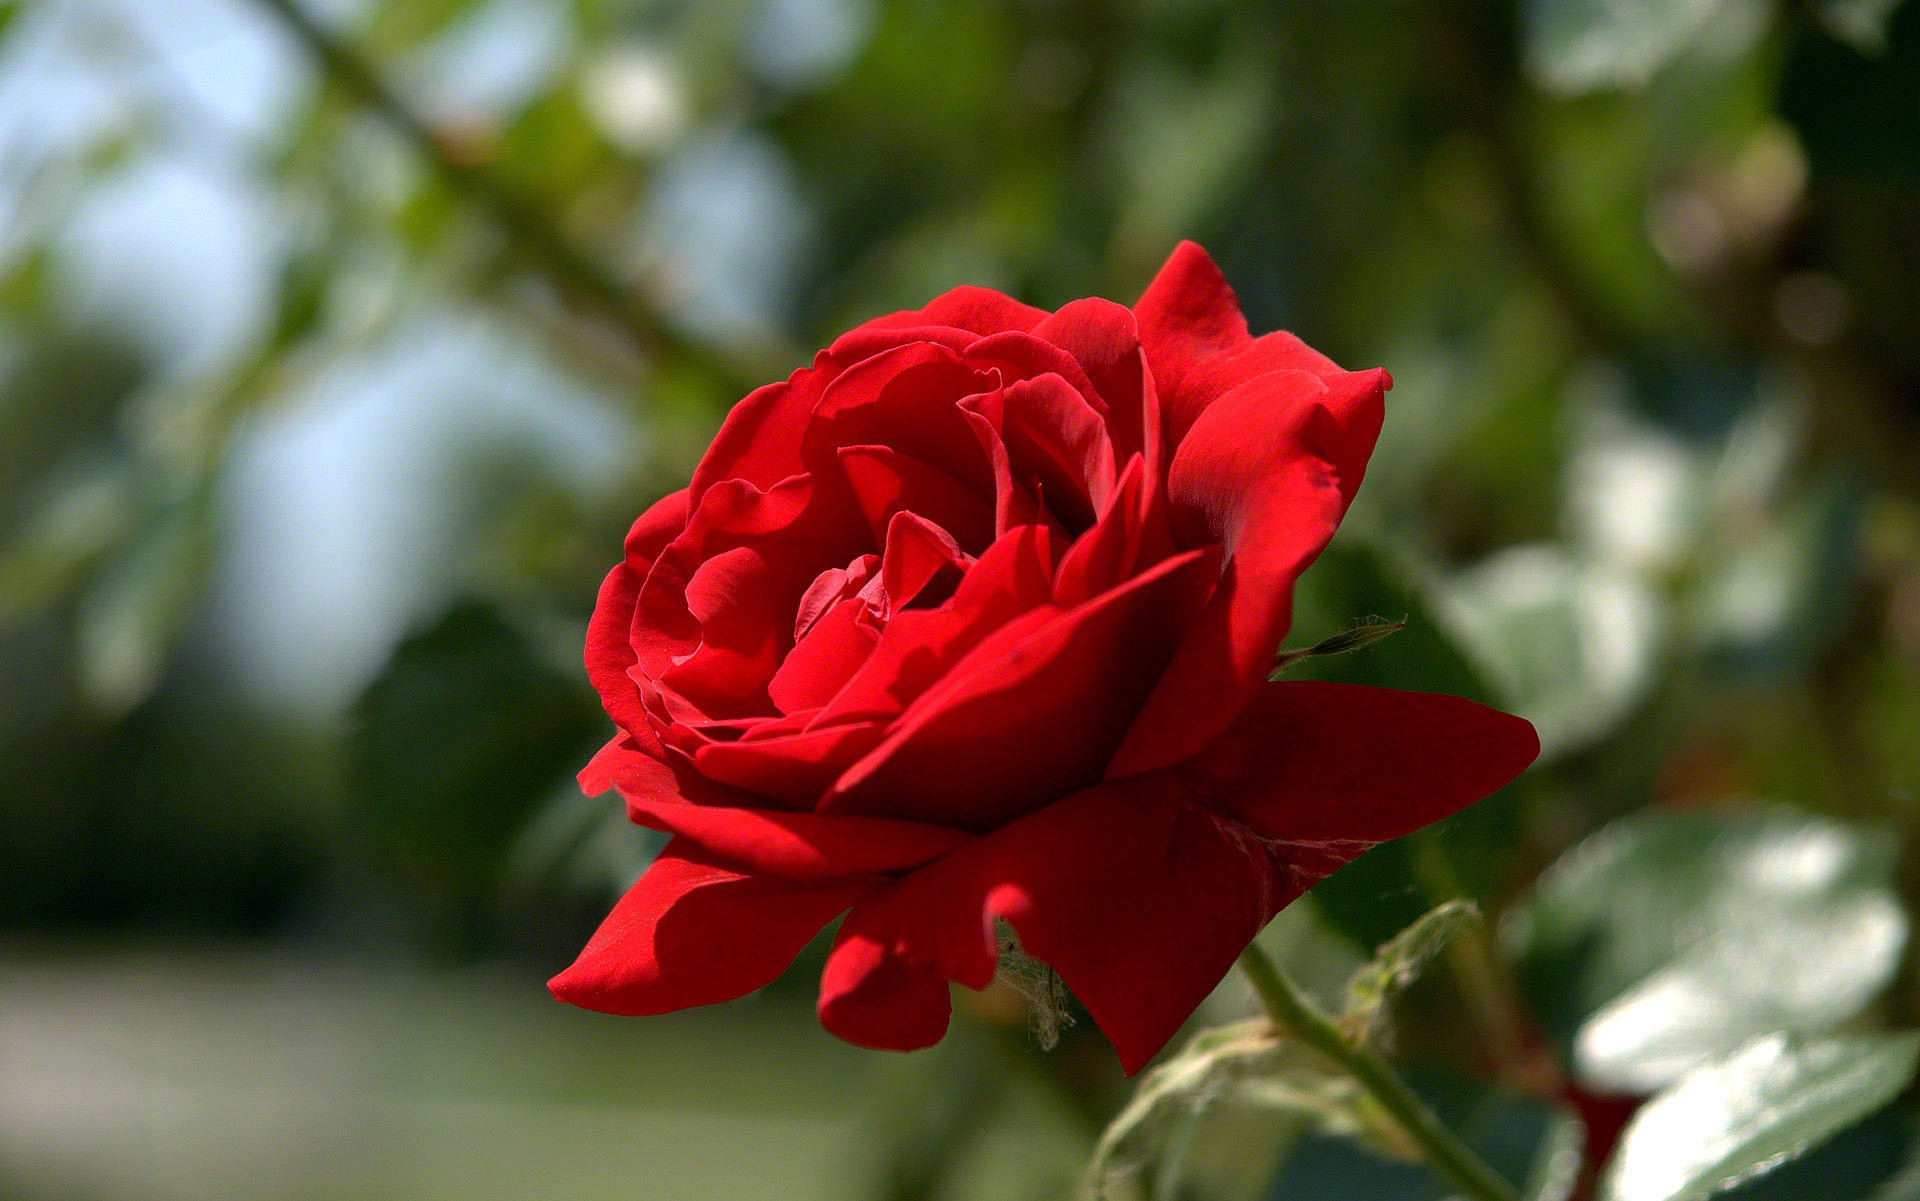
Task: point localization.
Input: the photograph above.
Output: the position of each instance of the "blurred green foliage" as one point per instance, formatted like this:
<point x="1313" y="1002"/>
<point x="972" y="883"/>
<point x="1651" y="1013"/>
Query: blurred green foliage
<point x="1643" y="273"/>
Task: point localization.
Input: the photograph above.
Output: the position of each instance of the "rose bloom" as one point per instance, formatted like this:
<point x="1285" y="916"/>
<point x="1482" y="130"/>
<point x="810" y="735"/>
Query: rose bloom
<point x="972" y="621"/>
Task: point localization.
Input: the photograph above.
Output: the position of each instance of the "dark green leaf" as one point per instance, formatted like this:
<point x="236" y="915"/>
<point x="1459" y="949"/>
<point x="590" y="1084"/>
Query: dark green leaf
<point x="1768" y="1102"/>
<point x="458" y="743"/>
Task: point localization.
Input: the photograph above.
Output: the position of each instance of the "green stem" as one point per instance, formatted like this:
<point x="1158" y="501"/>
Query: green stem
<point x="1293" y="1012"/>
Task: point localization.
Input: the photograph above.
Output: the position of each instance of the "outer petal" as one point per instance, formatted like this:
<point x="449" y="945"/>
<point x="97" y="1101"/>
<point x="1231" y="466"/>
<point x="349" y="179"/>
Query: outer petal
<point x="693" y="932"/>
<point x="885" y="983"/>
<point x="1197" y="341"/>
<point x="1138" y="899"/>
<point x="974" y="309"/>
<point x="1034" y="712"/>
<point x="609" y="652"/>
<point x="798" y="846"/>
<point x="1267" y="472"/>
<point x="1331" y="763"/>
<point x="1144" y="959"/>
<point x="788" y="768"/>
<point x="759" y="441"/>
<point x="639" y="768"/>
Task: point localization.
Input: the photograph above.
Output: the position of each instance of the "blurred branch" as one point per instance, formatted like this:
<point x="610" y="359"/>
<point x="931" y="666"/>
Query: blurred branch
<point x="533" y="229"/>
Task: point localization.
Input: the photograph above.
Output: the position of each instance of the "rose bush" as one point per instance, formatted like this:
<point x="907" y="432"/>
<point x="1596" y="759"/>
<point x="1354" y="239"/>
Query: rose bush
<point x="972" y="620"/>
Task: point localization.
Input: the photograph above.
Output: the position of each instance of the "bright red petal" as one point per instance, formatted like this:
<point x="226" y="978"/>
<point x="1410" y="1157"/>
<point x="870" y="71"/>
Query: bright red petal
<point x="1142" y="954"/>
<point x="798" y="846"/>
<point x="1033" y="712"/>
<point x="1104" y="338"/>
<point x="694" y="932"/>
<point x="977" y="310"/>
<point x="610" y="652"/>
<point x="1139" y="899"/>
<point x="1197" y="341"/>
<point x="1267" y="472"/>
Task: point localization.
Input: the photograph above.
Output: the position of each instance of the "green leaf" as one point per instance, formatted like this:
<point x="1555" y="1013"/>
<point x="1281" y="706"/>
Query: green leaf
<point x="1399" y="962"/>
<point x="1782" y="598"/>
<point x="1670" y="938"/>
<point x="1573" y="644"/>
<point x="1575" y="46"/>
<point x="1860" y="23"/>
<point x="1364" y="632"/>
<point x="458" y="744"/>
<point x="1767" y="1103"/>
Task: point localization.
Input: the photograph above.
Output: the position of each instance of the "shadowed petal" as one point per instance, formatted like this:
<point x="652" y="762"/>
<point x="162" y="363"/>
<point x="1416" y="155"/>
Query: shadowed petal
<point x="1314" y="762"/>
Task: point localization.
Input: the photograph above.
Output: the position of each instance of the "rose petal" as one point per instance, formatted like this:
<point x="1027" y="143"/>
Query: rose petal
<point x="1053" y="437"/>
<point x="1267" y="472"/>
<point x="903" y="399"/>
<point x="920" y="645"/>
<point x="791" y="768"/>
<point x="885" y="980"/>
<point x="1313" y="762"/>
<point x="1197" y="341"/>
<point x="1033" y="712"/>
<point x="1142" y="954"/>
<point x="820" y="664"/>
<point x="798" y="846"/>
<point x="609" y="651"/>
<point x="1140" y="900"/>
<point x="693" y="932"/>
<point x="918" y="552"/>
<point x="1105" y="339"/>
<point x="885" y="482"/>
<point x="759" y="442"/>
<point x="640" y="768"/>
<point x="974" y="309"/>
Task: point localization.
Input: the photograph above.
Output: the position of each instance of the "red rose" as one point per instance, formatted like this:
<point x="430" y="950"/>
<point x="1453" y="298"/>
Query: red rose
<point x="973" y="619"/>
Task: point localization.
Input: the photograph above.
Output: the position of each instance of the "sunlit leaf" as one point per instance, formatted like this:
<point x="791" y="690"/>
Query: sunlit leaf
<point x="1669" y="938"/>
<point x="1577" y="46"/>
<point x="1768" y="1102"/>
<point x="1572" y="644"/>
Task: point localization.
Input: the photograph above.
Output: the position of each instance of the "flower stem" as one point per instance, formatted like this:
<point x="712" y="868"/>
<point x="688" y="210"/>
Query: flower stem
<point x="1293" y="1012"/>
